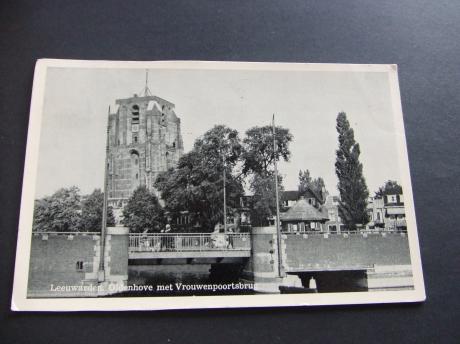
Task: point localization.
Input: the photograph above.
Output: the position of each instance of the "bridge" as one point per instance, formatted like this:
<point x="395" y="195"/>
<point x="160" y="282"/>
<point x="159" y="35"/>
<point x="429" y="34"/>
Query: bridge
<point x="378" y="260"/>
<point x="190" y="246"/>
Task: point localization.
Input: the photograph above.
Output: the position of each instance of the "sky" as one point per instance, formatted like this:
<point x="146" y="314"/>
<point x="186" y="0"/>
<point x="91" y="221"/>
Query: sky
<point x="74" y="120"/>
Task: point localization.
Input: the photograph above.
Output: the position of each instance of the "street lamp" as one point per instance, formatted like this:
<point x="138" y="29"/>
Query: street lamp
<point x="225" y="201"/>
<point x="278" y="230"/>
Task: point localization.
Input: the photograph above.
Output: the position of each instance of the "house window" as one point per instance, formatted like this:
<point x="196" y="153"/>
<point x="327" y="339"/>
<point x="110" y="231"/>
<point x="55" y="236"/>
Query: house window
<point x="392" y="199"/>
<point x="79" y="265"/>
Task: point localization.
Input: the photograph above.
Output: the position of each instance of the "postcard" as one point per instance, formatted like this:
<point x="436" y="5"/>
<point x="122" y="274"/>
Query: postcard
<point x="191" y="184"/>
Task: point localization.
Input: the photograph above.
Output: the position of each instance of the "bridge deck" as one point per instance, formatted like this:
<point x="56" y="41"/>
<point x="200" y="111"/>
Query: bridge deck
<point x="190" y="254"/>
<point x="180" y="246"/>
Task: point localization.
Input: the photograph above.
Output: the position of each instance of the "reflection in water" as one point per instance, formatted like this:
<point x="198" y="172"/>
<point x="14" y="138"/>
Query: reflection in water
<point x="171" y="280"/>
<point x="225" y="279"/>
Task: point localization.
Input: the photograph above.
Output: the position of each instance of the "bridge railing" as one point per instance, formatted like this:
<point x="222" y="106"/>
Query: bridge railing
<point x="161" y="242"/>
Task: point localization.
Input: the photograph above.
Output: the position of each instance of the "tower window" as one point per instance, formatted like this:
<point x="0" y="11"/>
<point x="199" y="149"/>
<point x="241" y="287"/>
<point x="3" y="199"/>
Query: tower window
<point x="135" y="114"/>
<point x="135" y="139"/>
<point x="174" y="144"/>
<point x="137" y="175"/>
<point x="79" y="265"/>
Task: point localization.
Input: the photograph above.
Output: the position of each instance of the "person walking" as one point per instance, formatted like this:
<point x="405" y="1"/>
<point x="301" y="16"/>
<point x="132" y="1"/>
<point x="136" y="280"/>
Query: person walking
<point x="230" y="237"/>
<point x="164" y="238"/>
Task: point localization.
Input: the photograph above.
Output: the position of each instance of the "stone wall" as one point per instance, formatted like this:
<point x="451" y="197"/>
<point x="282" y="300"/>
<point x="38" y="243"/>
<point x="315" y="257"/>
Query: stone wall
<point x="67" y="265"/>
<point x="58" y="260"/>
<point x="344" y="251"/>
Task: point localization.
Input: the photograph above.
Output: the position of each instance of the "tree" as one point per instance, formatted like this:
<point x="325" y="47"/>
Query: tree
<point x="143" y="212"/>
<point x="91" y="212"/>
<point x="306" y="182"/>
<point x="352" y="184"/>
<point x="258" y="163"/>
<point x="391" y="187"/>
<point x="196" y="184"/>
<point x="59" y="212"/>
<point x="258" y="156"/>
<point x="264" y="198"/>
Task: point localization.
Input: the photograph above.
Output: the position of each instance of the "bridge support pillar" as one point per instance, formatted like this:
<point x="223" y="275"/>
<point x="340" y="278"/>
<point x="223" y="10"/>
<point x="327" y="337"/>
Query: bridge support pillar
<point x="262" y="267"/>
<point x="115" y="261"/>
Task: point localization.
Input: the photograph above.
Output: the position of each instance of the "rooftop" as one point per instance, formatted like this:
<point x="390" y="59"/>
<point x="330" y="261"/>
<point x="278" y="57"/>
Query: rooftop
<point x="303" y="211"/>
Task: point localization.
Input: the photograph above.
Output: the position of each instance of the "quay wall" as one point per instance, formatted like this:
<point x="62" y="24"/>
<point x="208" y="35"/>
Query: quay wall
<point x="67" y="264"/>
<point x="312" y="252"/>
<point x="58" y="260"/>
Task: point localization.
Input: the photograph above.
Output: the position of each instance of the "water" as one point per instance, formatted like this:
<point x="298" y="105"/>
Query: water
<point x="184" y="280"/>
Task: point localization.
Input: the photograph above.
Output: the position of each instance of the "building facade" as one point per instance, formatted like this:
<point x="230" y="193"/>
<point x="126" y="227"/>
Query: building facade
<point x="144" y="139"/>
<point x="334" y="224"/>
<point x="395" y="214"/>
<point x="376" y="213"/>
<point x="303" y="212"/>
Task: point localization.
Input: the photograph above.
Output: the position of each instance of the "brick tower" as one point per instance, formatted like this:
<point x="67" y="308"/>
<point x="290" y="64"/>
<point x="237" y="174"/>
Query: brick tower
<point x="144" y="140"/>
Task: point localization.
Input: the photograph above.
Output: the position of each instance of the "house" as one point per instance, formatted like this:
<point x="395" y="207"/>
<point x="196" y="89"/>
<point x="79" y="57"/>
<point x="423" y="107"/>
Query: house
<point x="386" y="212"/>
<point x="334" y="224"/>
<point x="290" y="198"/>
<point x="395" y="214"/>
<point x="376" y="213"/>
<point x="304" y="216"/>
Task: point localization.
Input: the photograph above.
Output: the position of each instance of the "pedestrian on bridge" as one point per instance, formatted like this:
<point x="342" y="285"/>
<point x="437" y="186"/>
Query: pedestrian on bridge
<point x="230" y="237"/>
<point x="164" y="238"/>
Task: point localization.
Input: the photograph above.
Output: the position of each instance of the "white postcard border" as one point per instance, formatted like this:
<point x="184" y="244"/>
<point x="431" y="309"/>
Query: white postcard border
<point x="19" y="297"/>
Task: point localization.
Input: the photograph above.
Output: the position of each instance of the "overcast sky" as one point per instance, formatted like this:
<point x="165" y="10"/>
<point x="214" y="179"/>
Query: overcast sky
<point x="72" y="143"/>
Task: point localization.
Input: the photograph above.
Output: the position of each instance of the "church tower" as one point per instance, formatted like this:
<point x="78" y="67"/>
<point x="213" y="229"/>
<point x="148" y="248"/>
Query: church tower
<point x="144" y="140"/>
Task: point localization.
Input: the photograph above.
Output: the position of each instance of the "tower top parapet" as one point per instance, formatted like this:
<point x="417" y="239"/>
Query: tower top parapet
<point x="136" y="98"/>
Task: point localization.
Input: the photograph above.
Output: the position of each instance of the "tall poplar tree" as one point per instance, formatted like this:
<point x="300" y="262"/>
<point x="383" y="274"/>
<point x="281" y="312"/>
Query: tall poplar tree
<point x="352" y="184"/>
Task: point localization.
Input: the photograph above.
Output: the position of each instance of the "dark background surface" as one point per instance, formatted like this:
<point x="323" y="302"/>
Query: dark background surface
<point x="422" y="37"/>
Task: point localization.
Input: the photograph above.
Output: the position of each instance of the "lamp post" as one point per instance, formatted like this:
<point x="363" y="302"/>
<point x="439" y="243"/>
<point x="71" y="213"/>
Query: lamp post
<point x="225" y="200"/>
<point x="101" y="275"/>
<point x="278" y="230"/>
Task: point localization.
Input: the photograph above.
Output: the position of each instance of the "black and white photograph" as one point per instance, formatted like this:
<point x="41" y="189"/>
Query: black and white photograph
<point x="175" y="185"/>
